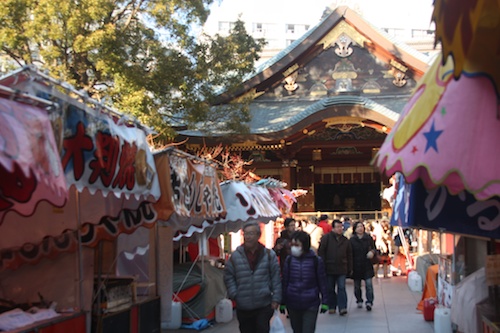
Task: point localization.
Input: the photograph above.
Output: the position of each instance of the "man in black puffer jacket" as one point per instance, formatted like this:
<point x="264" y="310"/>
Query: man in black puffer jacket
<point x="335" y="249"/>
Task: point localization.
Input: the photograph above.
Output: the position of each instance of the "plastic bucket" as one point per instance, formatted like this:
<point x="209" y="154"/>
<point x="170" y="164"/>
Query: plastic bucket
<point x="415" y="281"/>
<point x="442" y="320"/>
<point x="224" y="311"/>
<point x="175" y="321"/>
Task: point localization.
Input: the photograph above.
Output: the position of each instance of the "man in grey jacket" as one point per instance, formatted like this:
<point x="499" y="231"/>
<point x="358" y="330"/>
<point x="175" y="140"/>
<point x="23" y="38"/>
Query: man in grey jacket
<point x="252" y="278"/>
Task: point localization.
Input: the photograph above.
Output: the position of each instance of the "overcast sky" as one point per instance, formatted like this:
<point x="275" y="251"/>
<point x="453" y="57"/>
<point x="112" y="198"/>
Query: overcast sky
<point x="382" y="13"/>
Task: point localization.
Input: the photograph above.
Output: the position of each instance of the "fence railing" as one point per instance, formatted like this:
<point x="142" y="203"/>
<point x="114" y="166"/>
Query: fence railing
<point x="353" y="215"/>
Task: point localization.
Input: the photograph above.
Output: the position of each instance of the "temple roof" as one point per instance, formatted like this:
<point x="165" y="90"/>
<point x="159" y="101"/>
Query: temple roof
<point x="342" y="67"/>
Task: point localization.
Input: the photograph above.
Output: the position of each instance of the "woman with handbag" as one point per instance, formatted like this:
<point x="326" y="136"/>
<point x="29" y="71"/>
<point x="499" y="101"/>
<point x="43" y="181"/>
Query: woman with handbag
<point x="363" y="250"/>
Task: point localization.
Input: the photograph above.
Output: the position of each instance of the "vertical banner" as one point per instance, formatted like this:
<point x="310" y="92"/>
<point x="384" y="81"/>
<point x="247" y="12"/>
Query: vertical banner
<point x="190" y="193"/>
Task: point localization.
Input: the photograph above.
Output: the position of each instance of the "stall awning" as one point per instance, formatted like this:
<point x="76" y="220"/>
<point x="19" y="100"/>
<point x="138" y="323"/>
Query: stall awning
<point x="190" y="191"/>
<point x="244" y="203"/>
<point x="447" y="134"/>
<point x="30" y="167"/>
<point x="108" y="173"/>
<point x="437" y="209"/>
<point x="52" y="230"/>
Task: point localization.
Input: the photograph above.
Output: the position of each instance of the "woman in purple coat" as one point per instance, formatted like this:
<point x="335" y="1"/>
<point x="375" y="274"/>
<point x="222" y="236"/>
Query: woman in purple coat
<point x="304" y="284"/>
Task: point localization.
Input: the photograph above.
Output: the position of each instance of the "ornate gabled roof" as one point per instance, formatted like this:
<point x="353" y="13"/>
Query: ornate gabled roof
<point x="342" y="67"/>
<point x="342" y="20"/>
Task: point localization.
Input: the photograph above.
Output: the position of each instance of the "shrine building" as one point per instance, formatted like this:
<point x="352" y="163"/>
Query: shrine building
<point x="321" y="109"/>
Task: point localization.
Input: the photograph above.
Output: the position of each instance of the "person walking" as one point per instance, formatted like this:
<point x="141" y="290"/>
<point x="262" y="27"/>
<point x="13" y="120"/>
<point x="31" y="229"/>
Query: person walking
<point x="304" y="285"/>
<point x="252" y="278"/>
<point x="315" y="231"/>
<point x="324" y="224"/>
<point x="363" y="250"/>
<point x="335" y="250"/>
<point x="282" y="245"/>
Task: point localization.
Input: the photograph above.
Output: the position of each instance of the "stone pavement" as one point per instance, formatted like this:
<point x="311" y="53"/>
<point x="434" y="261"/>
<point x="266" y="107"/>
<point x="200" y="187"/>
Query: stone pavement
<point x="394" y="311"/>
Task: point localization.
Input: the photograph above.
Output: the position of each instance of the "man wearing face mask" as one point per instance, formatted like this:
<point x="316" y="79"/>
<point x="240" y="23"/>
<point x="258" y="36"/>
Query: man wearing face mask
<point x="252" y="278"/>
<point x="304" y="284"/>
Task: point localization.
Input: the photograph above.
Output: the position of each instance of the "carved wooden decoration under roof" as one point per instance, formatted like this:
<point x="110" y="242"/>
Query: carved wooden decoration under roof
<point x="345" y="64"/>
<point x="340" y="132"/>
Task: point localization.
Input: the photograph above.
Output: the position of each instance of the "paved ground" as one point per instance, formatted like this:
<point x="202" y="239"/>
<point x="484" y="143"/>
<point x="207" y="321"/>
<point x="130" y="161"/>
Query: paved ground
<point x="394" y="311"/>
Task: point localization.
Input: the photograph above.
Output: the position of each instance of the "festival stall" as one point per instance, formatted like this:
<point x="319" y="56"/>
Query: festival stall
<point x="109" y="179"/>
<point x="196" y="283"/>
<point x="190" y="194"/>
<point x="445" y="146"/>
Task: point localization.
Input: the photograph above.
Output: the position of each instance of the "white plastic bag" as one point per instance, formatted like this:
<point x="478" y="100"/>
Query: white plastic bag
<point x="277" y="324"/>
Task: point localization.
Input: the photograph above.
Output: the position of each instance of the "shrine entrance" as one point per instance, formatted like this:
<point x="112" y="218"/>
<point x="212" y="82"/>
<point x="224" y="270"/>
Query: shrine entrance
<point x="347" y="197"/>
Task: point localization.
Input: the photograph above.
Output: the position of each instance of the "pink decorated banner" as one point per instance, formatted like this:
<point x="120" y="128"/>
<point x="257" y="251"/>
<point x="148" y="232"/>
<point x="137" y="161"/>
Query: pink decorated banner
<point x="447" y="134"/>
<point x="30" y="167"/>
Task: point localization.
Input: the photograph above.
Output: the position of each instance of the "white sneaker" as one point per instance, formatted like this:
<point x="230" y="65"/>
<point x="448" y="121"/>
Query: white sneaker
<point x="360" y="305"/>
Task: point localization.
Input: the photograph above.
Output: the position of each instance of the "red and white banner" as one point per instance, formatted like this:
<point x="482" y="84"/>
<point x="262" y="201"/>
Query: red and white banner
<point x="101" y="155"/>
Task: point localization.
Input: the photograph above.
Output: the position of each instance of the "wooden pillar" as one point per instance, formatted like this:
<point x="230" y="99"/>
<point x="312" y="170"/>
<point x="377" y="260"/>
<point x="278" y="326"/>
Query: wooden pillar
<point x="286" y="176"/>
<point x="165" y="272"/>
<point x="305" y="181"/>
<point x="288" y="170"/>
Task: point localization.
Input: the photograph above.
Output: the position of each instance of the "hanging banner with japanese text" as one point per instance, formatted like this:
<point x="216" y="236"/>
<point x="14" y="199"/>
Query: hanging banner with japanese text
<point x="190" y="192"/>
<point x="99" y="154"/>
<point x="244" y="203"/>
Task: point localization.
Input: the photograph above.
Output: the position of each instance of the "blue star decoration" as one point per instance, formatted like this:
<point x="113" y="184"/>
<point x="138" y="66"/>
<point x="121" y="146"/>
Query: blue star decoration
<point x="432" y="137"/>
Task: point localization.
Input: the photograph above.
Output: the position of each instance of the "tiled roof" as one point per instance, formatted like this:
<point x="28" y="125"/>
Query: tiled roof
<point x="275" y="116"/>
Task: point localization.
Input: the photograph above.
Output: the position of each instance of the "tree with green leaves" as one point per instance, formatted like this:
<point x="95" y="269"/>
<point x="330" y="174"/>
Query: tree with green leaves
<point x="137" y="56"/>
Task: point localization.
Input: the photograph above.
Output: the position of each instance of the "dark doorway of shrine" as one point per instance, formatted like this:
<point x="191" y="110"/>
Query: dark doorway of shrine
<point x="347" y="197"/>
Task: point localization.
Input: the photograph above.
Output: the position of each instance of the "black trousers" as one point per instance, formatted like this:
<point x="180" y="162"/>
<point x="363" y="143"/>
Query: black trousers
<point x="255" y="321"/>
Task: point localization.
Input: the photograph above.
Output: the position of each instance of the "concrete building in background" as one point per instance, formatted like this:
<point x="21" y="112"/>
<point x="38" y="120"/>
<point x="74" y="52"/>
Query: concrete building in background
<point x="282" y="22"/>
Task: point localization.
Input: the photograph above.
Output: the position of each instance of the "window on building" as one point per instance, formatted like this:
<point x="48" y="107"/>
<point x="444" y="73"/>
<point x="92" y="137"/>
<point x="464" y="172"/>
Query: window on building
<point x="290" y="28"/>
<point x="258" y="27"/>
<point x="290" y="41"/>
<point x="226" y="26"/>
